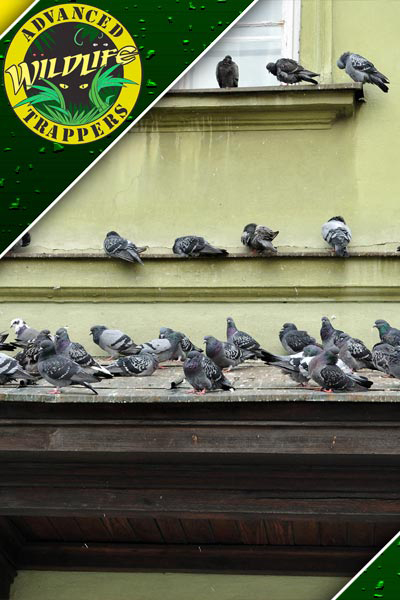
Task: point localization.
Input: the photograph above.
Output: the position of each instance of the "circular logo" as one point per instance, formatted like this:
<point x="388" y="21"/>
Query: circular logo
<point x="73" y="74"/>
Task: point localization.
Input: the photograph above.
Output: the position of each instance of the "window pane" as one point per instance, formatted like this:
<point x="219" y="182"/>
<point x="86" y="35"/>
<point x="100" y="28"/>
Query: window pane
<point x="251" y="47"/>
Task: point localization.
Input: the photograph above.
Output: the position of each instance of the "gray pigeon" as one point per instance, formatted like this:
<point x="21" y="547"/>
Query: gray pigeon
<point x="227" y="73"/>
<point x="8" y="346"/>
<point x="78" y="354"/>
<point x="293" y="339"/>
<point x="23" y="333"/>
<point x="22" y="242"/>
<point x="167" y="348"/>
<point x="204" y="375"/>
<point x="259" y="238"/>
<point x="113" y="341"/>
<point x="329" y="335"/>
<point x="142" y="365"/>
<point x="380" y="356"/>
<point x="225" y="354"/>
<point x="289" y="71"/>
<point x="337" y="234"/>
<point x="193" y="245"/>
<point x="362" y="70"/>
<point x="325" y="372"/>
<point x="28" y="358"/>
<point x="243" y="340"/>
<point x="118" y="247"/>
<point x="389" y="335"/>
<point x="354" y="352"/>
<point x="186" y="344"/>
<point x="295" y="365"/>
<point x="11" y="370"/>
<point x="61" y="371"/>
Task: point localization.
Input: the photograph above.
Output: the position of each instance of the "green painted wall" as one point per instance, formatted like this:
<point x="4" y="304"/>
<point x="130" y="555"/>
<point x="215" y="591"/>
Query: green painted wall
<point x="153" y="586"/>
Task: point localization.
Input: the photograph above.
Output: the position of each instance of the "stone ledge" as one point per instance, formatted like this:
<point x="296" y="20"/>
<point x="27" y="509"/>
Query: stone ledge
<point x="252" y="109"/>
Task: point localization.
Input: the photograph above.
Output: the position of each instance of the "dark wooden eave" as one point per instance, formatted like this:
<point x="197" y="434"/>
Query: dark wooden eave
<point x="278" y="482"/>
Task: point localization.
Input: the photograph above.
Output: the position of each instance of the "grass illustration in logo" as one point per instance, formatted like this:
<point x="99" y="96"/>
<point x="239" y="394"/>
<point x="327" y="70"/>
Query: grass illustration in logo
<point x="71" y="101"/>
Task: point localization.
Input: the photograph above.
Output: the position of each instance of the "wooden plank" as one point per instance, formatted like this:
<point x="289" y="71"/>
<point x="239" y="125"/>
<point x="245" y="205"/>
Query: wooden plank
<point x="120" y="529"/>
<point x="198" y="531"/>
<point x="7" y="575"/>
<point x="11" y="540"/>
<point x="146" y="530"/>
<point x="252" y="531"/>
<point x="306" y="533"/>
<point x="67" y="528"/>
<point x="225" y="531"/>
<point x="171" y="530"/>
<point x="384" y="532"/>
<point x="211" y="476"/>
<point x="93" y="529"/>
<point x="37" y="527"/>
<point x="269" y="439"/>
<point x="258" y="559"/>
<point x="280" y="533"/>
<point x="334" y="533"/>
<point x="360" y="534"/>
<point x="21" y="501"/>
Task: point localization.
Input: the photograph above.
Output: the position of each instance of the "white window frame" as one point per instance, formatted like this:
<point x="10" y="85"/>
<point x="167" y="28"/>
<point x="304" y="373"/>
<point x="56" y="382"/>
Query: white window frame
<point x="290" y="24"/>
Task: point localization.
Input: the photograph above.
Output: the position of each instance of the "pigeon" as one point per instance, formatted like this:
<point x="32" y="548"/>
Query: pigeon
<point x="326" y="373"/>
<point x="11" y="370"/>
<point x="141" y="365"/>
<point x="259" y="238"/>
<point x="118" y="247"/>
<point x="243" y="340"/>
<point x="354" y="352"/>
<point x="389" y="335"/>
<point x="113" y="341"/>
<point x="61" y="371"/>
<point x="78" y="354"/>
<point x="192" y="245"/>
<point x="288" y="71"/>
<point x="295" y="365"/>
<point x="329" y="335"/>
<point x="8" y="346"/>
<point x="362" y="70"/>
<point x="227" y="73"/>
<point x="203" y="374"/>
<point x="22" y="242"/>
<point x="380" y="356"/>
<point x="225" y="354"/>
<point x="337" y="234"/>
<point x="390" y="360"/>
<point x="186" y="345"/>
<point x="28" y="358"/>
<point x="23" y="332"/>
<point x="294" y="340"/>
<point x="166" y="348"/>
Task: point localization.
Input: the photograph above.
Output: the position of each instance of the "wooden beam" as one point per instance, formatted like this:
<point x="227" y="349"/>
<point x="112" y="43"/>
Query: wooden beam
<point x="267" y="440"/>
<point x="203" y="558"/>
<point x="7" y="575"/>
<point x="183" y="503"/>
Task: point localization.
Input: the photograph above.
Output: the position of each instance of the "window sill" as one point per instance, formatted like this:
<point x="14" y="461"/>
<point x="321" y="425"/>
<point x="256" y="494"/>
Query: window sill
<point x="253" y="109"/>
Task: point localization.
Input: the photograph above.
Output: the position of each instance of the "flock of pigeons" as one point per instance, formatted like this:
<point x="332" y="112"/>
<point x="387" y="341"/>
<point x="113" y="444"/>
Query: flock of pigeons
<point x="289" y="71"/>
<point x="333" y="364"/>
<point x="258" y="238"/>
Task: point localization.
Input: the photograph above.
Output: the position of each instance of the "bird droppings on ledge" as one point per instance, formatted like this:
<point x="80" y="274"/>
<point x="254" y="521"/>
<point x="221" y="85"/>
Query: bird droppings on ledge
<point x="254" y="382"/>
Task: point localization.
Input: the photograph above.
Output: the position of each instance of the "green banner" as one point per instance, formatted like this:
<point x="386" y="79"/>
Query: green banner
<point x="380" y="578"/>
<point x="76" y="76"/>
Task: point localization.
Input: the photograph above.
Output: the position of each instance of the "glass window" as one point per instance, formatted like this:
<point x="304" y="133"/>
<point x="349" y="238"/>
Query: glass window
<point x="270" y="30"/>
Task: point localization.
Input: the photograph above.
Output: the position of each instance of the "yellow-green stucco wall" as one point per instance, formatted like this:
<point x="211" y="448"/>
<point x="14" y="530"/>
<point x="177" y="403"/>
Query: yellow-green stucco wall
<point x="167" y="586"/>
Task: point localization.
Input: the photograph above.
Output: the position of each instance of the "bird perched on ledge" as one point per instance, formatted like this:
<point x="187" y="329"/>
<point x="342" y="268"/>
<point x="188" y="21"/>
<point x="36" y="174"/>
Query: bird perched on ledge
<point x="362" y="70"/>
<point x="227" y="73"/>
<point x="193" y="245"/>
<point x="259" y="238"/>
<point x="293" y="339"/>
<point x="289" y="71"/>
<point x="204" y="375"/>
<point x="116" y="246"/>
<point x="337" y="234"/>
<point x="323" y="370"/>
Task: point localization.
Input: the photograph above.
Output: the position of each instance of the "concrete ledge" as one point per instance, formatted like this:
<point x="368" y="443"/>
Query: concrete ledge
<point x="251" y="109"/>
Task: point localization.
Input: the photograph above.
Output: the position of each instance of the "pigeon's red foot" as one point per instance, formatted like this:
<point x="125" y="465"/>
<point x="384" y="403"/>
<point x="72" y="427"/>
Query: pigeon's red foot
<point x="55" y="391"/>
<point x="160" y="367"/>
<point x="200" y="393"/>
<point x="327" y="391"/>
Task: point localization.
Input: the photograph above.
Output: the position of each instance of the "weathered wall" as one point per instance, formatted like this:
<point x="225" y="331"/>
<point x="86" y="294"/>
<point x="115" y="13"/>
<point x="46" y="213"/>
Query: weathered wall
<point x="121" y="586"/>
